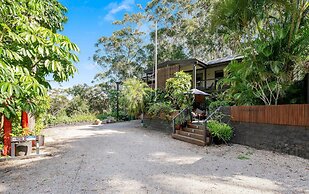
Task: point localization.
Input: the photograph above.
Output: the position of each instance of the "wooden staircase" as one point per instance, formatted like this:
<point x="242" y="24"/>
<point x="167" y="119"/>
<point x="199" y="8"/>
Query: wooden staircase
<point x="195" y="134"/>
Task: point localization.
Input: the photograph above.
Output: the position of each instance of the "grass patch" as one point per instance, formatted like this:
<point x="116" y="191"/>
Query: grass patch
<point x="244" y="156"/>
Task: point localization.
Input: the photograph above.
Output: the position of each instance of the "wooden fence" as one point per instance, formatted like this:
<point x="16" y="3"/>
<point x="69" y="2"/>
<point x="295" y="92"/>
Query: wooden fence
<point x="292" y="114"/>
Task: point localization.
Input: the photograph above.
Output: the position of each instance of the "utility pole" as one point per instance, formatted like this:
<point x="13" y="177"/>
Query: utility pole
<point x="117" y="88"/>
<point x="156" y="59"/>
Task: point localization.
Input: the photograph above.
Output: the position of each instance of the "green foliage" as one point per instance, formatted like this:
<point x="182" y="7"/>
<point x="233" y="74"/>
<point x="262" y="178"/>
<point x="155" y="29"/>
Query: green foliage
<point x="122" y="55"/>
<point x="245" y="156"/>
<point x="273" y="36"/>
<point x="216" y="104"/>
<point x="31" y="49"/>
<point x="133" y="94"/>
<point x="77" y="106"/>
<point x="160" y="108"/>
<point x="178" y="90"/>
<point x="220" y="130"/>
<point x="78" y="118"/>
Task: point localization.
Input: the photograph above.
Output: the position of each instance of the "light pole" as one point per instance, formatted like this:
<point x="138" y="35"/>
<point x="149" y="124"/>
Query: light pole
<point x="117" y="87"/>
<point x="156" y="58"/>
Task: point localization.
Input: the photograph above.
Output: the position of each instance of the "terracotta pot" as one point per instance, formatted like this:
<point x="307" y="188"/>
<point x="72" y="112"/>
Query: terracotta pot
<point x="178" y="127"/>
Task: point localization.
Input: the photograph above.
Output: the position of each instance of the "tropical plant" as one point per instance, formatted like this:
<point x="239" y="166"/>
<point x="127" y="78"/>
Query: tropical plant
<point x="178" y="90"/>
<point x="220" y="130"/>
<point x="133" y="94"/>
<point x="31" y="49"/>
<point x="273" y="36"/>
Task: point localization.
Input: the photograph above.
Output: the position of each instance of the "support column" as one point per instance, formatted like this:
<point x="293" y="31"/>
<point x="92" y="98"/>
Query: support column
<point x="205" y="78"/>
<point x="7" y="136"/>
<point x="194" y="77"/>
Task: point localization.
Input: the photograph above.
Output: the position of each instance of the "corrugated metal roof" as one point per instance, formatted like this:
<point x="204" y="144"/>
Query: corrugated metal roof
<point x="197" y="61"/>
<point x="224" y="60"/>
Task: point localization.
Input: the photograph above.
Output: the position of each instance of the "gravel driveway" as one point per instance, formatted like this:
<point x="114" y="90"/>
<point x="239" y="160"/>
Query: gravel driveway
<point x="124" y="158"/>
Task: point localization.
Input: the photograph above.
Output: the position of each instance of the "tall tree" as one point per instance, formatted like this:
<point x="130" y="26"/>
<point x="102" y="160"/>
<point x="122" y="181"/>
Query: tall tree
<point x="122" y="54"/>
<point x="186" y="23"/>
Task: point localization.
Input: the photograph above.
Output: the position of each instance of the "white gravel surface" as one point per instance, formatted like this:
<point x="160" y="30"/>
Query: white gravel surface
<point x="125" y="158"/>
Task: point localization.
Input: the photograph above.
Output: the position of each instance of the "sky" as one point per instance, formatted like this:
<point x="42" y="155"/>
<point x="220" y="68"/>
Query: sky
<point x="88" y="20"/>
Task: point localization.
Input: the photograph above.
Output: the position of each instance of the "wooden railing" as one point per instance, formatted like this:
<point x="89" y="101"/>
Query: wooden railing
<point x="292" y="114"/>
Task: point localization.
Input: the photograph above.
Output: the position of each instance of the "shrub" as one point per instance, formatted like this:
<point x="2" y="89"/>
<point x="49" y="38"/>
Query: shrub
<point x="178" y="90"/>
<point x="220" y="130"/>
<point x="73" y="119"/>
<point x="159" y="108"/>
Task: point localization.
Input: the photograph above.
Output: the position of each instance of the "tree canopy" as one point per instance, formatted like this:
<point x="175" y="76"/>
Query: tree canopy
<point x="274" y="37"/>
<point x="30" y="49"/>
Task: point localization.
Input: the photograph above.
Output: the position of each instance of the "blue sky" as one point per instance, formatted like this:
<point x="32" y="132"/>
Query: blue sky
<point x="88" y="21"/>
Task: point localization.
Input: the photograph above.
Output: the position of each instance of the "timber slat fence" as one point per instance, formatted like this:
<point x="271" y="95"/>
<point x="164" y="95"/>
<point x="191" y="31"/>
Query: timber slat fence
<point x="292" y="114"/>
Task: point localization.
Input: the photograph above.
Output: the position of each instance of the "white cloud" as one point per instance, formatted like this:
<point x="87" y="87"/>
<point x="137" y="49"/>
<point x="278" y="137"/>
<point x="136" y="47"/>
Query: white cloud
<point x="114" y="8"/>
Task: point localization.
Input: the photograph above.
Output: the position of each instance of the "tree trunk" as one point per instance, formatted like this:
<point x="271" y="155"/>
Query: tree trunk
<point x="24" y="120"/>
<point x="7" y="136"/>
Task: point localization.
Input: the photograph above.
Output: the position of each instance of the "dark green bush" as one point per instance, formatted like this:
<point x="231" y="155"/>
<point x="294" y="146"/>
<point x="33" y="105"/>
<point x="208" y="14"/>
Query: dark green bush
<point x="156" y="109"/>
<point x="220" y="130"/>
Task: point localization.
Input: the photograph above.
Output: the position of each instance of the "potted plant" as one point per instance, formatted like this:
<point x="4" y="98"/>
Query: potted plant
<point x="220" y="132"/>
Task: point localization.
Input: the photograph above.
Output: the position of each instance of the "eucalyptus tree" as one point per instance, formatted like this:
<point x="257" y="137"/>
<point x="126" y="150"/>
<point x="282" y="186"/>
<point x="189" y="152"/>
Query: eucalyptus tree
<point x="273" y="36"/>
<point x="186" y="24"/>
<point x="121" y="55"/>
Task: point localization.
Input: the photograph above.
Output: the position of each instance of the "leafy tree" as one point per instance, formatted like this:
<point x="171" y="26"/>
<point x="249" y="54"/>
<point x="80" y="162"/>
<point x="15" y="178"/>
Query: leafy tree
<point x="31" y="49"/>
<point x="77" y="106"/>
<point x="178" y="90"/>
<point x="273" y="37"/>
<point x="122" y="53"/>
<point x="58" y="100"/>
<point x="94" y="96"/>
<point x="134" y="93"/>
<point x="186" y="24"/>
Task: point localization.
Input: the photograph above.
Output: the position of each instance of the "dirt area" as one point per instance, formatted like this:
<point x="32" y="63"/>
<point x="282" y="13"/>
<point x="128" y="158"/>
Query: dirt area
<point x="125" y="158"/>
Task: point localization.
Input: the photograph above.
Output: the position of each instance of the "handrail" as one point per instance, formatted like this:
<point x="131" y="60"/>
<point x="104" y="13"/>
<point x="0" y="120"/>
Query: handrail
<point x="212" y="113"/>
<point x="180" y="113"/>
<point x="208" y="118"/>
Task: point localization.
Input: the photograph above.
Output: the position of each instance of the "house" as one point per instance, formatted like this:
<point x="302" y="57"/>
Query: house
<point x="205" y="75"/>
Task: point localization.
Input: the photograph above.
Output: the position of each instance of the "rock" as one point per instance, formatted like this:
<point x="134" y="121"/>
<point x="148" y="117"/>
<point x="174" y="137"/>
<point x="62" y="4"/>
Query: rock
<point x="97" y="122"/>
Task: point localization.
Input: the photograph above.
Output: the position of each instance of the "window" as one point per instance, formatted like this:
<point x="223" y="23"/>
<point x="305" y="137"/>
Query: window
<point x="219" y="74"/>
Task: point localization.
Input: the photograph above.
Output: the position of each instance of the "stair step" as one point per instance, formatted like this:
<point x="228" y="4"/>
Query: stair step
<point x="188" y="139"/>
<point x="193" y="126"/>
<point x="192" y="130"/>
<point x="188" y="134"/>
